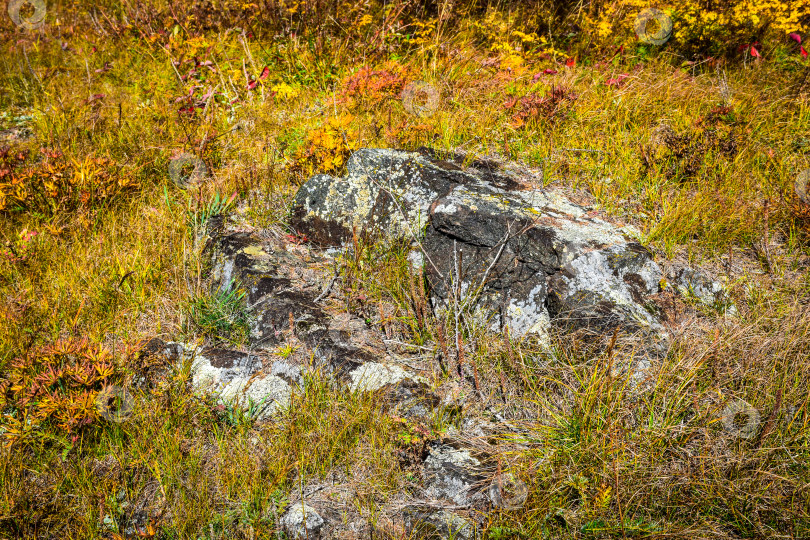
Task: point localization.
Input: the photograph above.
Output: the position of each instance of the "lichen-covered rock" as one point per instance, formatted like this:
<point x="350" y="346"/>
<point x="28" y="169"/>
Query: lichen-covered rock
<point x="606" y="288"/>
<point x="282" y="290"/>
<point x="236" y="378"/>
<point x="518" y="257"/>
<point x="437" y="524"/>
<point x="384" y="192"/>
<point x="452" y="475"/>
<point x="532" y="258"/>
<point x="302" y="521"/>
<point x="215" y="368"/>
<point x="372" y="376"/>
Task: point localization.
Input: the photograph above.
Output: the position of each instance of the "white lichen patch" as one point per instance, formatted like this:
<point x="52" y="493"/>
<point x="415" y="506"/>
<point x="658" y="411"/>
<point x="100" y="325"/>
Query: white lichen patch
<point x="373" y="376"/>
<point x="591" y="274"/>
<point x="529" y="316"/>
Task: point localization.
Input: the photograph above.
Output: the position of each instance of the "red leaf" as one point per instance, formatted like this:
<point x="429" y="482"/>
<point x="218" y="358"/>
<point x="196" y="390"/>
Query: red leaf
<point x="570" y="62"/>
<point x="547" y="71"/>
<point x="252" y="84"/>
<point x="265" y="73"/>
<point x="795" y="37"/>
<point x="754" y="52"/>
<point x="617" y="81"/>
<point x="802" y="51"/>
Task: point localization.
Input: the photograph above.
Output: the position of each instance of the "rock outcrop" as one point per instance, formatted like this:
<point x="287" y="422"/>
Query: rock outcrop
<point x="519" y="256"/>
<point x="493" y="246"/>
<point x="292" y="332"/>
<point x="386" y="192"/>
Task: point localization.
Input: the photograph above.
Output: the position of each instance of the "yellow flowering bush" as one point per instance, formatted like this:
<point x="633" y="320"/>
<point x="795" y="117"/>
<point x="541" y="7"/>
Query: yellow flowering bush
<point x="722" y="28"/>
<point x="284" y="91"/>
<point x="328" y="147"/>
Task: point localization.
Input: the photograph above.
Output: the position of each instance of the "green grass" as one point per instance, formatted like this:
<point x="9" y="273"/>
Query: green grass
<point x="221" y="315"/>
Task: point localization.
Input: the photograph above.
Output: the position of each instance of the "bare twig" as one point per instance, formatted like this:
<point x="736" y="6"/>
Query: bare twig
<point x="328" y="288"/>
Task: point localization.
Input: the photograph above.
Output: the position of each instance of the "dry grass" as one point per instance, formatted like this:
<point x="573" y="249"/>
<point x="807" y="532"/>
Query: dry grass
<point x="603" y="455"/>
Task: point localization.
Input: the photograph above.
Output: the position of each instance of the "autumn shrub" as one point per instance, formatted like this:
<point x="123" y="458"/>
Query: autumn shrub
<point x="55" y="385"/>
<point x="58" y="184"/>
<point x="328" y="147"/>
<point x="551" y="107"/>
<point x="371" y="86"/>
<point x="683" y="155"/>
<point x="20" y="248"/>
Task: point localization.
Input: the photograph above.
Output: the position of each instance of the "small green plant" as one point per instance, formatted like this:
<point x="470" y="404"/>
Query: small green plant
<point x="286" y="350"/>
<point x="221" y="315"/>
<point x="232" y="415"/>
<point x="199" y="212"/>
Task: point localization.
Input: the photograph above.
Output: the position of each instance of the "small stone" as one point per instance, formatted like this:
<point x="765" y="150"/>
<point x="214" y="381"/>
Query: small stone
<point x="693" y="283"/>
<point x="437" y="524"/>
<point x="451" y="474"/>
<point x="302" y="522"/>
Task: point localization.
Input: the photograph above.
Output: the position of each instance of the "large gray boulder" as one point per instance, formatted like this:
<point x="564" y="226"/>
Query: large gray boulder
<point x="492" y="245"/>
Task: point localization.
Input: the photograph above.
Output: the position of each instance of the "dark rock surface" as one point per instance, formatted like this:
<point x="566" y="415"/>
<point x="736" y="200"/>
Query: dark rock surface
<point x="283" y="289"/>
<point x="532" y="257"/>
